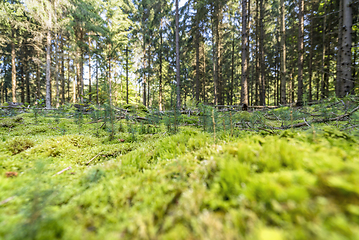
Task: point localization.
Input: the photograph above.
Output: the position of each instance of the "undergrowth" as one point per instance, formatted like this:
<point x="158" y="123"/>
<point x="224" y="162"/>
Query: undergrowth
<point x="145" y="182"/>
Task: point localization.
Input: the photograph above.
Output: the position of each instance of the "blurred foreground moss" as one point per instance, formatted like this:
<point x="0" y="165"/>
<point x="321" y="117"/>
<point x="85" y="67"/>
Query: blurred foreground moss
<point x="294" y="185"/>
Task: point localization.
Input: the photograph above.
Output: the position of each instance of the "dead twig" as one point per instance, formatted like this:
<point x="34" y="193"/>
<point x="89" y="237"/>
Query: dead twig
<point x="7" y="200"/>
<point x="62" y="171"/>
<point x="93" y="158"/>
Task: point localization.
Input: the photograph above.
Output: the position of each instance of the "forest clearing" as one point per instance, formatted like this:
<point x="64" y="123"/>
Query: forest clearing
<point x="137" y="174"/>
<point x="179" y="119"/>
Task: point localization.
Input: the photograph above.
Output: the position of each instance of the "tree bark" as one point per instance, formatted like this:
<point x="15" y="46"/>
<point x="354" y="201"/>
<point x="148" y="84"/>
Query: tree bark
<point x="322" y="95"/>
<point x="310" y="60"/>
<point x="244" y="80"/>
<point x="283" y="71"/>
<point x="126" y="74"/>
<point x="90" y="89"/>
<point x="62" y="75"/>
<point x="300" y="52"/>
<point x="48" y="70"/>
<point x="57" y="72"/>
<point x="347" y="83"/>
<point x="178" y="60"/>
<point x="160" y="80"/>
<point x="338" y="82"/>
<point x="13" y="70"/>
<point x="262" y="63"/>
<point x="197" y="36"/>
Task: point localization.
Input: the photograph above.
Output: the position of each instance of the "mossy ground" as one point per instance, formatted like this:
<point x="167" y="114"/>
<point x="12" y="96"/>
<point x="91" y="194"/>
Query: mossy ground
<point x="293" y="184"/>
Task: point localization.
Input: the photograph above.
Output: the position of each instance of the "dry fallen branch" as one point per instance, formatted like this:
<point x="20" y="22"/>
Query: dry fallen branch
<point x="321" y="120"/>
<point x="7" y="200"/>
<point x="93" y="158"/>
<point x="64" y="170"/>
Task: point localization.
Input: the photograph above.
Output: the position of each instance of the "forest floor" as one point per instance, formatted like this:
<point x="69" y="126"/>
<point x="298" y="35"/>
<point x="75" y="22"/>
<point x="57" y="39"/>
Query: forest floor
<point x="70" y="176"/>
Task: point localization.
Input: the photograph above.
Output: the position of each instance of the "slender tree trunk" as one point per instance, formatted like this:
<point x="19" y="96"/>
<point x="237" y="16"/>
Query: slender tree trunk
<point x="22" y="79"/>
<point x="244" y="81"/>
<point x="160" y="83"/>
<point x="90" y="89"/>
<point x="300" y="52"/>
<point x="338" y="82"/>
<point x="283" y="71"/>
<point x="262" y="63"/>
<point x="204" y="74"/>
<point x="149" y="75"/>
<point x="48" y="70"/>
<point x="248" y="52"/>
<point x="13" y="71"/>
<point x="27" y="83"/>
<point x="97" y="101"/>
<point x="57" y="72"/>
<point x="323" y="53"/>
<point x="257" y="73"/>
<point x="310" y="60"/>
<point x="178" y="60"/>
<point x="232" y="69"/>
<point x="38" y="77"/>
<point x="144" y="70"/>
<point x="347" y="83"/>
<point x="197" y="35"/>
<point x="109" y="80"/>
<point x="62" y="75"/>
<point x="82" y="77"/>
<point x="127" y="74"/>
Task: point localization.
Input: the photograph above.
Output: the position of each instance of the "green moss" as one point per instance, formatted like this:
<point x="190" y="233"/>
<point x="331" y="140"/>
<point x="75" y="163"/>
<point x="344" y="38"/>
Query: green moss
<point x="19" y="144"/>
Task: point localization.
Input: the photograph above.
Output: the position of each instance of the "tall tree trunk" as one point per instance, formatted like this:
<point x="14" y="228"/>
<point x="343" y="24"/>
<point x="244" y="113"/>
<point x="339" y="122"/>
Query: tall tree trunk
<point x="160" y="83"/>
<point x="13" y="70"/>
<point x="248" y="51"/>
<point x="62" y="75"/>
<point x="262" y="63"/>
<point x="126" y="74"/>
<point x="257" y="55"/>
<point x="204" y="74"/>
<point x="338" y="82"/>
<point x="310" y="60"/>
<point x="347" y="83"/>
<point x="57" y="72"/>
<point x="38" y="78"/>
<point x="244" y="80"/>
<point x="178" y="60"/>
<point x="109" y="81"/>
<point x="197" y="35"/>
<point x="27" y="82"/>
<point x="90" y="89"/>
<point x="82" y="77"/>
<point x="300" y="52"/>
<point x="22" y="79"/>
<point x="232" y="69"/>
<point x="322" y="95"/>
<point x="283" y="71"/>
<point x="97" y="100"/>
<point x="48" y="70"/>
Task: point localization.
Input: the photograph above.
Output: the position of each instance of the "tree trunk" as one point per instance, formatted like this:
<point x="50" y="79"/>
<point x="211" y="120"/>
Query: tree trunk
<point x="244" y="80"/>
<point x="48" y="70"/>
<point x="257" y="55"/>
<point x="13" y="71"/>
<point x="322" y="95"/>
<point x="197" y="35"/>
<point x="109" y="81"/>
<point x="90" y="90"/>
<point x="347" y="83"/>
<point x="262" y="63"/>
<point x="27" y="83"/>
<point x="300" y="52"/>
<point x="283" y="71"/>
<point x="338" y="82"/>
<point x="22" y="79"/>
<point x="160" y="83"/>
<point x="232" y="69"/>
<point x="126" y="74"/>
<point x="38" y="78"/>
<point x="57" y="72"/>
<point x="310" y="60"/>
<point x="178" y="60"/>
<point x="82" y="77"/>
<point x="62" y="75"/>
